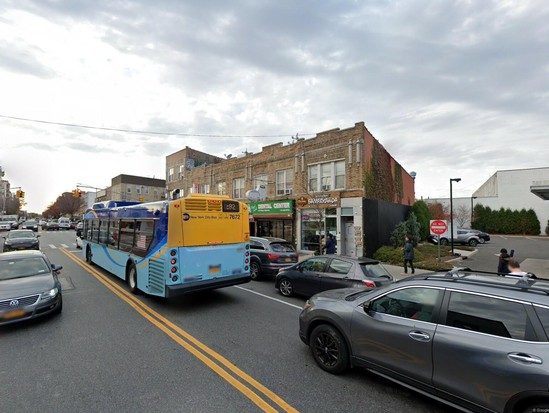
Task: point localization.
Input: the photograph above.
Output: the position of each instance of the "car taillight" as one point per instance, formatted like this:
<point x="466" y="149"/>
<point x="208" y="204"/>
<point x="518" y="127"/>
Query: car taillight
<point x="369" y="284"/>
<point x="273" y="256"/>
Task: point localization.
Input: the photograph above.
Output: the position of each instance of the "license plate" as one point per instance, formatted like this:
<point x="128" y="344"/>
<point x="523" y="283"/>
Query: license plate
<point x="214" y="269"/>
<point x="288" y="259"/>
<point x="13" y="314"/>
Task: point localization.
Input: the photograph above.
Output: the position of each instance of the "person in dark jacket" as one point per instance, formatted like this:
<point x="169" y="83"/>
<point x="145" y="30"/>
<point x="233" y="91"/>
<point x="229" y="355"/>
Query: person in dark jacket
<point x="503" y="263"/>
<point x="408" y="255"/>
<point x="330" y="245"/>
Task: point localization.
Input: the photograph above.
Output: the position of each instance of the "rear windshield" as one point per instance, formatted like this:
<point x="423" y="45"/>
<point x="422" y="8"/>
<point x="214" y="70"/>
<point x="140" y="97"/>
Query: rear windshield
<point x="282" y="247"/>
<point x="374" y="270"/>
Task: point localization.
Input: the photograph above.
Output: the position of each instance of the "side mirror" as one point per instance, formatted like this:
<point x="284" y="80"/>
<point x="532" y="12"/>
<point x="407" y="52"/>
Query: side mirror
<point x="56" y="268"/>
<point x="37" y="235"/>
<point x="367" y="306"/>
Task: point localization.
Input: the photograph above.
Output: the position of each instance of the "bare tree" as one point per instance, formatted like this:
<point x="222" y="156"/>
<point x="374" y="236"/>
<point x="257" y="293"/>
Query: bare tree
<point x="462" y="215"/>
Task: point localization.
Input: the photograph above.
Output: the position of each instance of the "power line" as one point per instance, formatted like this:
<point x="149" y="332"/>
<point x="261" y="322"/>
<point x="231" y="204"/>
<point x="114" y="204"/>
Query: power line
<point x="73" y="125"/>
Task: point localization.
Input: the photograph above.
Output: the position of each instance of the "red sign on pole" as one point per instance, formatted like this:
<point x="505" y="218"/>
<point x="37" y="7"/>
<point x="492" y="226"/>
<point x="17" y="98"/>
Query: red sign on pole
<point x="438" y="227"/>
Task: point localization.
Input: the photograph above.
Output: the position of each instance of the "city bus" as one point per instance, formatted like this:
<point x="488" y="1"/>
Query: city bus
<point x="173" y="247"/>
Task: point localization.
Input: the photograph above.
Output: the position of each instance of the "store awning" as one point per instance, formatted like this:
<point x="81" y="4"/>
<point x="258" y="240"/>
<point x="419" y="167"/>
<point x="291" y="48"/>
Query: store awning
<point x="540" y="189"/>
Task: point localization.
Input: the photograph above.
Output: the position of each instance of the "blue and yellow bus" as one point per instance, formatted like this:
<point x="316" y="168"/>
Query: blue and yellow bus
<point x="168" y="248"/>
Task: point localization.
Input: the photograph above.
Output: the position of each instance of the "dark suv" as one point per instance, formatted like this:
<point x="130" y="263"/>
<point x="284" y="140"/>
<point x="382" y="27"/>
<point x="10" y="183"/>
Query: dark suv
<point x="268" y="255"/>
<point x="476" y="340"/>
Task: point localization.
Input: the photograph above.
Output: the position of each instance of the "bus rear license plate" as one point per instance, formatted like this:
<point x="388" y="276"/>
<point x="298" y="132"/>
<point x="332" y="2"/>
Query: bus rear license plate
<point x="13" y="314"/>
<point x="215" y="269"/>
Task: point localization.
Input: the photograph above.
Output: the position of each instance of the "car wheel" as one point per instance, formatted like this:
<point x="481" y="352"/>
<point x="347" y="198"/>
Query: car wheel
<point x="329" y="349"/>
<point x="285" y="287"/>
<point x="443" y="241"/>
<point x="131" y="278"/>
<point x="89" y="255"/>
<point x="60" y="306"/>
<point x="482" y="240"/>
<point x="255" y="271"/>
<point x="473" y="242"/>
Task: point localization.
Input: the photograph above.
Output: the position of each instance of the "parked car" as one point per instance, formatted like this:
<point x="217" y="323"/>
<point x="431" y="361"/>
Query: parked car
<point x="5" y="226"/>
<point x="268" y="255"/>
<point x="21" y="239"/>
<point x="477" y="340"/>
<point x="483" y="236"/>
<point x="462" y="237"/>
<point x="29" y="286"/>
<point x="52" y="225"/>
<point x="326" y="272"/>
<point x="32" y="225"/>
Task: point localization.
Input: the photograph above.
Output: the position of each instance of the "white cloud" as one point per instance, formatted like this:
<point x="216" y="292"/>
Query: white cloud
<point x="451" y="89"/>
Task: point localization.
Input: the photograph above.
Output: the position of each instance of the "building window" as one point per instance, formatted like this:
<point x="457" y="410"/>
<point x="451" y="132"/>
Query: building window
<point x="147" y="189"/>
<point x="260" y="181"/>
<point x="284" y="182"/>
<point x="129" y="189"/>
<point x="181" y="171"/>
<point x="170" y="175"/>
<point x="205" y="189"/>
<point x="332" y="176"/>
<point x="221" y="188"/>
<point x="139" y="189"/>
<point x="238" y="188"/>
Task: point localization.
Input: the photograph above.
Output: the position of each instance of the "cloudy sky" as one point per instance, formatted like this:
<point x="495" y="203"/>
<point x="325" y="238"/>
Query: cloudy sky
<point x="450" y="88"/>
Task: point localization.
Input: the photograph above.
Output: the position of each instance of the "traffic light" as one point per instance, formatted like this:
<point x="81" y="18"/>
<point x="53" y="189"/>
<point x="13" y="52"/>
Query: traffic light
<point x="76" y="193"/>
<point x="20" y="194"/>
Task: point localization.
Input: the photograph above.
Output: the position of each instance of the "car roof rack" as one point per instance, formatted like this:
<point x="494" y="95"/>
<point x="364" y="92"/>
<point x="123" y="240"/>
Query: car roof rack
<point x="462" y="274"/>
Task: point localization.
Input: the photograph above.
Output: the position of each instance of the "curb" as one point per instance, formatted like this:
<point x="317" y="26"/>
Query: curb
<point x="463" y="257"/>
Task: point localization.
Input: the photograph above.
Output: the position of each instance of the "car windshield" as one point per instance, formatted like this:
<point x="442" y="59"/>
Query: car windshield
<point x="23" y="267"/>
<point x="21" y="234"/>
<point x="282" y="247"/>
<point x="374" y="270"/>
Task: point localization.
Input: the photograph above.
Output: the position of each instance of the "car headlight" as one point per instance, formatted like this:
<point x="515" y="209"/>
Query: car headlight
<point x="307" y="305"/>
<point x="50" y="294"/>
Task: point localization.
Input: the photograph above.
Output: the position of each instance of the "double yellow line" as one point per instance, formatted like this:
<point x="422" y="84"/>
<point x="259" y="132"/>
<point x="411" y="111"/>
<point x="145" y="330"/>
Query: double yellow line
<point x="215" y="361"/>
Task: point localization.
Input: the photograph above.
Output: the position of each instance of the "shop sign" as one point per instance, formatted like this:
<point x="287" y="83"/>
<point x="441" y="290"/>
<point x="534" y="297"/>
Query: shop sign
<point x="272" y="207"/>
<point x="319" y="201"/>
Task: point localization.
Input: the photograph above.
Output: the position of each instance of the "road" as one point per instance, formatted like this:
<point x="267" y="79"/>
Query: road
<point x="231" y="350"/>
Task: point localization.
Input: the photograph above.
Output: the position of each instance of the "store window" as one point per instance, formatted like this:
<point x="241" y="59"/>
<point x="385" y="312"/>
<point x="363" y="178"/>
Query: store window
<point x="221" y="188"/>
<point x="260" y="181"/>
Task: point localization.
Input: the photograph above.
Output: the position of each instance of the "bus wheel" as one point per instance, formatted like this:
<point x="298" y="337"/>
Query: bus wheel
<point x="88" y="255"/>
<point x="131" y="278"/>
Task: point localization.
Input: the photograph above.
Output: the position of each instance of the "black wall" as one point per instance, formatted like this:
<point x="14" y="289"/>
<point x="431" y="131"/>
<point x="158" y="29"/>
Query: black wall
<point x="380" y="219"/>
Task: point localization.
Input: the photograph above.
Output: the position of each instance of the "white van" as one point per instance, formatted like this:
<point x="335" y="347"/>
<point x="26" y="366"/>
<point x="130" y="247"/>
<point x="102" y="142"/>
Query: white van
<point x="64" y="223"/>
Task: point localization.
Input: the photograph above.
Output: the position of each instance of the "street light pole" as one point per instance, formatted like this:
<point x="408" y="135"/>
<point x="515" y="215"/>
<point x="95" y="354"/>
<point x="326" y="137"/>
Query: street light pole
<point x="452" y="213"/>
<point x="472" y="215"/>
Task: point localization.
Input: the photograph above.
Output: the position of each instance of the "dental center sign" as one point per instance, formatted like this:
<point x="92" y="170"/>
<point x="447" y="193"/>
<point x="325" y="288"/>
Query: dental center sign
<point x="272" y="207"/>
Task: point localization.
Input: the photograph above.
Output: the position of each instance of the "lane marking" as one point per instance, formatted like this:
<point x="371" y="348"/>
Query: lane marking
<point x="53" y="247"/>
<point x="266" y="296"/>
<point x="187" y="341"/>
<point x="64" y="245"/>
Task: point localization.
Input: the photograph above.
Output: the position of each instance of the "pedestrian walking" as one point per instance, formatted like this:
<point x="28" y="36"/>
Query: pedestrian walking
<point x="503" y="262"/>
<point x="408" y="255"/>
<point x="330" y="245"/>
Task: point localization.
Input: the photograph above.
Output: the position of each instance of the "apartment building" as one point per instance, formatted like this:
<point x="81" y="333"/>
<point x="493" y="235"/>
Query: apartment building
<point x="332" y="183"/>
<point x="133" y="188"/>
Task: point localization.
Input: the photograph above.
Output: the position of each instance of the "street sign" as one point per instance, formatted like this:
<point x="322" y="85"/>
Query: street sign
<point x="438" y="227"/>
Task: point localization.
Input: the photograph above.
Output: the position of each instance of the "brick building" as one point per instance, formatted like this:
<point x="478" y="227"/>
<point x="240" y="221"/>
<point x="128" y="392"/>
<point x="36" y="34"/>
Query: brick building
<point x="304" y="190"/>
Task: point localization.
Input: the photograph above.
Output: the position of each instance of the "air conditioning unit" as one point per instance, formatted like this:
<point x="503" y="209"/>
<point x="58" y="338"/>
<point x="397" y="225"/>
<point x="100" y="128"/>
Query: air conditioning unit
<point x="326" y="187"/>
<point x="288" y="192"/>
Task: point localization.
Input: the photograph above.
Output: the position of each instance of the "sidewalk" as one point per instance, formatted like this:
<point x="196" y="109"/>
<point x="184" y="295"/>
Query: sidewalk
<point x="397" y="271"/>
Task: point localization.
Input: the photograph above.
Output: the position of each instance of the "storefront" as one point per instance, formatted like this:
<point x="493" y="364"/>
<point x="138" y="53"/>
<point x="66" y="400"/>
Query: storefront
<point x="320" y="215"/>
<point x="273" y="219"/>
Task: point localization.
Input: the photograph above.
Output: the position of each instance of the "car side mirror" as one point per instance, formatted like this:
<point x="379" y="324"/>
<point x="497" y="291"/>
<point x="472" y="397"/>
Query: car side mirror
<point x="37" y="235"/>
<point x="56" y="268"/>
<point x="367" y="306"/>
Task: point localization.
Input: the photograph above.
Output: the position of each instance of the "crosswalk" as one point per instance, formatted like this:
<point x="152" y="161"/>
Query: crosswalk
<point x="54" y="247"/>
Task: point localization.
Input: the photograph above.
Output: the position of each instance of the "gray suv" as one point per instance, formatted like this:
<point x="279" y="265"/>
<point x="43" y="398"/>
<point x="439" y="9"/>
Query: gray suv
<point x="464" y="237"/>
<point x="474" y="340"/>
<point x="270" y="254"/>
